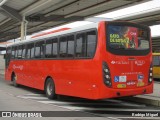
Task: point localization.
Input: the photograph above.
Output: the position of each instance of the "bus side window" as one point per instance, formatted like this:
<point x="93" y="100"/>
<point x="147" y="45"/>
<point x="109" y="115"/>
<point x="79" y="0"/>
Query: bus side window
<point x="13" y="52"/>
<point x="28" y="51"/>
<point x="55" y="48"/>
<point x="63" y="47"/>
<point x="32" y="50"/>
<point x="19" y="52"/>
<point x="39" y="49"/>
<point x="16" y="51"/>
<point x="80" y="45"/>
<point x="49" y="46"/>
<point x="8" y="53"/>
<point x="91" y="43"/>
<point x="70" y="46"/>
<point x="23" y="51"/>
<point x="8" y="56"/>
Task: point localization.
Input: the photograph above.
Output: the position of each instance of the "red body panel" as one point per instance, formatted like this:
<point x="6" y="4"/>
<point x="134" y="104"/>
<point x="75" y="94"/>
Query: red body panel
<point x="84" y="77"/>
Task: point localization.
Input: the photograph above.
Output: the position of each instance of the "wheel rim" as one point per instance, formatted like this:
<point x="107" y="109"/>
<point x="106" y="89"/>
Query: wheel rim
<point x="49" y="88"/>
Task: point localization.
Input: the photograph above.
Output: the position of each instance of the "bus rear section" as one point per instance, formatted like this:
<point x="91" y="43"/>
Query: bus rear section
<point x="127" y="60"/>
<point x="156" y="65"/>
<point x="112" y="61"/>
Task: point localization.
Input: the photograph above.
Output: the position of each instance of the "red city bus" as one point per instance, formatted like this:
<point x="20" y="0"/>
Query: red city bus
<point x="97" y="61"/>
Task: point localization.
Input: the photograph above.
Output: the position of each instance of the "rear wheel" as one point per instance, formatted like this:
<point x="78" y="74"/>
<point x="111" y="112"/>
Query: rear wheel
<point x="50" y="89"/>
<point x="14" y="80"/>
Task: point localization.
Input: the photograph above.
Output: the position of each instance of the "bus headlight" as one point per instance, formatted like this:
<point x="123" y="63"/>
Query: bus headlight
<point x="106" y="75"/>
<point x="150" y="76"/>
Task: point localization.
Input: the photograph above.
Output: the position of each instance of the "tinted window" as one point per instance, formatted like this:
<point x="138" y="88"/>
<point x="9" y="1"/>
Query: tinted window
<point x="13" y="52"/>
<point x="128" y="37"/>
<point x="48" y="49"/>
<point x="19" y="52"/>
<point x="8" y="56"/>
<point x="39" y="49"/>
<point x="70" y="46"/>
<point x="9" y="52"/>
<point x="91" y="43"/>
<point x="63" y="47"/>
<point x="16" y="51"/>
<point x="23" y="51"/>
<point x="80" y="45"/>
<point x="30" y="51"/>
<point x="123" y="38"/>
<point x="55" y="48"/>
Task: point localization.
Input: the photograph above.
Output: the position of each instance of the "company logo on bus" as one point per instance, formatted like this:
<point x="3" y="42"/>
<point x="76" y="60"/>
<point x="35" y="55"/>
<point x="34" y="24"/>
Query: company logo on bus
<point x="120" y="62"/>
<point x="113" y="62"/>
<point x="18" y="67"/>
<point x="139" y="62"/>
<point x="131" y="82"/>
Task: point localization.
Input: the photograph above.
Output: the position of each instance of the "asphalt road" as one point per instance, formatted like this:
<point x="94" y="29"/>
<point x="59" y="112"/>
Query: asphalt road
<point x="23" y="100"/>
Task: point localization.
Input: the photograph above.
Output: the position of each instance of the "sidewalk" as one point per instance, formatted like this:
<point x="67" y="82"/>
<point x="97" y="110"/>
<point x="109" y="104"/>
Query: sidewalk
<point x="1" y="72"/>
<point x="150" y="99"/>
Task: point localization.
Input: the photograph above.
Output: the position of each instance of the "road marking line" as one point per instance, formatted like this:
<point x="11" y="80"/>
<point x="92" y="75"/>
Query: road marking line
<point x="113" y="118"/>
<point x="80" y="103"/>
<point x="106" y="109"/>
<point x="34" y="94"/>
<point x="124" y="102"/>
<point x="29" y="97"/>
<point x="68" y="103"/>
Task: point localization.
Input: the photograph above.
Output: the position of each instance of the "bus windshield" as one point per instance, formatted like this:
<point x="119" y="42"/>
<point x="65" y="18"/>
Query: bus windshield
<point x="127" y="37"/>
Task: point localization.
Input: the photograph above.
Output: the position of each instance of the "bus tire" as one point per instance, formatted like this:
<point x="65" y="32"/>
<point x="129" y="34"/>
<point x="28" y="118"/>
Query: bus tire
<point x="50" y="89"/>
<point x="14" y="80"/>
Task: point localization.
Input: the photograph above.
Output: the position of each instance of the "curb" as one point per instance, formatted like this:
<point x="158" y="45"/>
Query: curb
<point x="144" y="99"/>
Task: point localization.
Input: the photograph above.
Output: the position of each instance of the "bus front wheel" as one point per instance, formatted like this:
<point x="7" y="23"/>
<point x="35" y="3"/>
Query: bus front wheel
<point x="50" y="89"/>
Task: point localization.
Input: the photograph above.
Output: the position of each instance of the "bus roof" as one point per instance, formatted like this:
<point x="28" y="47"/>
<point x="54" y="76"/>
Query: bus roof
<point x="50" y="32"/>
<point x="90" y="26"/>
